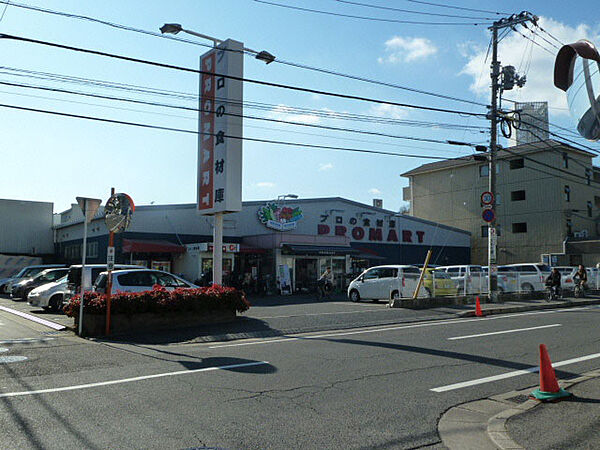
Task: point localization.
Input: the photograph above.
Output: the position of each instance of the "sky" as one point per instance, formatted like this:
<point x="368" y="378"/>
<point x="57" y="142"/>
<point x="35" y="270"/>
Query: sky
<point x="54" y="159"/>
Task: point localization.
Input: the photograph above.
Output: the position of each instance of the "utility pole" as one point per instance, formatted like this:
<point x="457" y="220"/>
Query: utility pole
<point x="493" y="115"/>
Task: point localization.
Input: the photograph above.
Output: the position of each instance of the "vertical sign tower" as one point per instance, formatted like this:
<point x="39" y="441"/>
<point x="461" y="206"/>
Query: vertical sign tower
<point x="219" y="181"/>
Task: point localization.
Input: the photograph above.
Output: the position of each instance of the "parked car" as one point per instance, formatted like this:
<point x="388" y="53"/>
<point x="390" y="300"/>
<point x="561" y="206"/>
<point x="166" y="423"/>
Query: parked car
<point x="506" y="281"/>
<point x="593" y="274"/>
<point x="25" y="272"/>
<point x="470" y="278"/>
<point x="438" y="283"/>
<point x="90" y="275"/>
<point x="384" y="283"/>
<point x="49" y="296"/>
<point x="21" y="289"/>
<point x="530" y="276"/>
<point x="140" y="280"/>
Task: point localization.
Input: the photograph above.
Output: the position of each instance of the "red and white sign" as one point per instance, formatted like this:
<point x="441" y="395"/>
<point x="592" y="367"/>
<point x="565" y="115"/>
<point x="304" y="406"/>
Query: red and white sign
<point x="219" y="183"/>
<point x="487" y="198"/>
<point x="208" y="247"/>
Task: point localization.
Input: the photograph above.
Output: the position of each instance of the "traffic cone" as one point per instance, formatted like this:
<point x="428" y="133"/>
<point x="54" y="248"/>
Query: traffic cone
<point x="549" y="389"/>
<point x="478" y="311"/>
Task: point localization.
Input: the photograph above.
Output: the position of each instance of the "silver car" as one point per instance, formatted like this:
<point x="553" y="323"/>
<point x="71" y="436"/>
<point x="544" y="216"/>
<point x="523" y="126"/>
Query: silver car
<point x="49" y="296"/>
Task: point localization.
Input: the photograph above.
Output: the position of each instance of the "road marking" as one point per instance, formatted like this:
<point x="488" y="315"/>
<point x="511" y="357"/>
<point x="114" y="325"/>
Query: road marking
<point x="296" y="337"/>
<point x="33" y="318"/>
<point x="320" y="314"/>
<point x="504" y="332"/>
<point x="516" y="373"/>
<point x="26" y="340"/>
<point x="11" y="359"/>
<point x="129" y="380"/>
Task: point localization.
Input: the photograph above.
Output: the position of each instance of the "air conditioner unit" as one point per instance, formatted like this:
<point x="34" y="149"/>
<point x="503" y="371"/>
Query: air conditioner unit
<point x="581" y="234"/>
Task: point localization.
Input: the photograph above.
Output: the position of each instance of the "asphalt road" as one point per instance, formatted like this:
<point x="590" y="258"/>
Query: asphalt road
<point x="382" y="387"/>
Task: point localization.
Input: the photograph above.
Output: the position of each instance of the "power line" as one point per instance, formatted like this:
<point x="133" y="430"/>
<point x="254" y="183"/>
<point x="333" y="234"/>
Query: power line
<point x="287" y="122"/>
<point x="4" y="11"/>
<point x="410" y="11"/>
<point x="195" y="42"/>
<point x="244" y="138"/>
<point x="374" y="19"/>
<point x="548" y="33"/>
<point x="456" y="7"/>
<point x="535" y="43"/>
<point x="552" y="44"/>
<point x="232" y="77"/>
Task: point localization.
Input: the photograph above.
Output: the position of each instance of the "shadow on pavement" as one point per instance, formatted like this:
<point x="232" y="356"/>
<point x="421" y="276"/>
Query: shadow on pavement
<point x="295" y="299"/>
<point x="576" y="399"/>
<point x="453" y="355"/>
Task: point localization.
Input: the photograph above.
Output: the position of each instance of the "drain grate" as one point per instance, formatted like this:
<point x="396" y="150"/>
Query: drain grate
<point x="521" y="398"/>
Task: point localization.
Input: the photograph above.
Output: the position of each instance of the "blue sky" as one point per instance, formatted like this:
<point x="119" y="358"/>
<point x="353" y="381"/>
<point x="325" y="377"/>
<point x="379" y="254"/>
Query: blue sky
<point x="55" y="159"/>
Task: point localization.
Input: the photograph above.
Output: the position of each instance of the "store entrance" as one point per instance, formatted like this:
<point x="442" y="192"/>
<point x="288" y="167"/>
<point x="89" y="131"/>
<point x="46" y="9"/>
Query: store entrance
<point x="306" y="274"/>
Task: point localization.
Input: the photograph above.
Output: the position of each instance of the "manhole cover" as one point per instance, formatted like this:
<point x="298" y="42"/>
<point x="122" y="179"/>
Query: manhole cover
<point x="521" y="398"/>
<point x="11" y="359"/>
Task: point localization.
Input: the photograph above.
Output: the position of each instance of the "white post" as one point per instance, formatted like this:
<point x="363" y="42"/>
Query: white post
<point x="84" y="252"/>
<point x="218" y="249"/>
<point x="433" y="283"/>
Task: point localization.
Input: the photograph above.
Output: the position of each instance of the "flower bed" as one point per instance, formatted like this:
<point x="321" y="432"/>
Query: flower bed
<point x="159" y="307"/>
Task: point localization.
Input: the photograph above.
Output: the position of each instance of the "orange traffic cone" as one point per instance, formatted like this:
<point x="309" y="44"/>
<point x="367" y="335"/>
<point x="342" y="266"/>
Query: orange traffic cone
<point x="478" y="311"/>
<point x="549" y="389"/>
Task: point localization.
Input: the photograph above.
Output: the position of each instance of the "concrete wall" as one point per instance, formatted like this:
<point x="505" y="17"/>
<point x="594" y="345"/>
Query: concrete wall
<point x="26" y="228"/>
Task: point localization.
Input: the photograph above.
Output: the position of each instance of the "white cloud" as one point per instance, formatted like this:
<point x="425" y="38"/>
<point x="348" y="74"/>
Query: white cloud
<point x="514" y="50"/>
<point x="406" y="49"/>
<point x="325" y="166"/>
<point x="284" y="112"/>
<point x="388" y="111"/>
<point x="374" y="191"/>
<point x="265" y="184"/>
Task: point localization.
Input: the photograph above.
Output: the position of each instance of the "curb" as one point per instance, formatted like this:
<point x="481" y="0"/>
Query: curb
<point x="482" y="424"/>
<point x="520" y="308"/>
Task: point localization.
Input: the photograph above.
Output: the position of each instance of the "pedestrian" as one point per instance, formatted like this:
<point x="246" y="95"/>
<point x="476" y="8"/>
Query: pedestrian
<point x="325" y="283"/>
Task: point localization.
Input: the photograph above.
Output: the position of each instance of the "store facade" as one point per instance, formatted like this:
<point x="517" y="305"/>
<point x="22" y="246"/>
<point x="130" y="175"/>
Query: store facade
<point x="273" y="246"/>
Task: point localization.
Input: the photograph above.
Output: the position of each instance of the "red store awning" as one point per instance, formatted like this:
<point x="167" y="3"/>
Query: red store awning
<point x="144" y="246"/>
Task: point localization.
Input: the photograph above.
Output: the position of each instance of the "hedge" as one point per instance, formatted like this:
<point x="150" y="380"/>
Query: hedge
<point x="160" y="300"/>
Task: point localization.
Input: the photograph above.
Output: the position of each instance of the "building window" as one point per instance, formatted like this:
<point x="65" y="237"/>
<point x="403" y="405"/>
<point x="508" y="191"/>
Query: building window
<point x="92" y="250"/>
<point x="484" y="231"/>
<point x="517" y="196"/>
<point x="589" y="209"/>
<point x="519" y="227"/>
<point x="565" y="160"/>
<point x="498" y="199"/>
<point x="517" y="163"/>
<point x="484" y="171"/>
<point x="567" y="193"/>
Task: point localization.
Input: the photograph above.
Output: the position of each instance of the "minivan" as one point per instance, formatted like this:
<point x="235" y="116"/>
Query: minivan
<point x="385" y="283"/>
<point x="470" y="278"/>
<point x="530" y="276"/>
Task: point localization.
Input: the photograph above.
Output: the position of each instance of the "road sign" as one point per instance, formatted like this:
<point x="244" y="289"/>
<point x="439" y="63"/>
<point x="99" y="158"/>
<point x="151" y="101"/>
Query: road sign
<point x="488" y="215"/>
<point x="110" y="258"/>
<point x="487" y="198"/>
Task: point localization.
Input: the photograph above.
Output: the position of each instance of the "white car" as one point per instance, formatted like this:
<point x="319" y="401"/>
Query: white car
<point x="385" y="283"/>
<point x="470" y="278"/>
<point x="136" y="280"/>
<point x="530" y="276"/>
<point x="49" y="296"/>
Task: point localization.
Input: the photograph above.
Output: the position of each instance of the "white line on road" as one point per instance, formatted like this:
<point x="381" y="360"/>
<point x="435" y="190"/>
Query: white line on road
<point x="516" y="373"/>
<point x="25" y="340"/>
<point x="129" y="380"/>
<point x="504" y="332"/>
<point x="319" y="314"/>
<point x="33" y="318"/>
<point x="293" y="338"/>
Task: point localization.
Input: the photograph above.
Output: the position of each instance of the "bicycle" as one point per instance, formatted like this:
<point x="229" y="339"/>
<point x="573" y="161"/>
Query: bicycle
<point x="553" y="293"/>
<point x="324" y="289"/>
<point x="579" y="290"/>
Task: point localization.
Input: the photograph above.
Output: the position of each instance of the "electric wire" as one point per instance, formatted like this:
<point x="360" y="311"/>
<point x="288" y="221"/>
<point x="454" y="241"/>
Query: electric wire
<point x="548" y="33"/>
<point x="410" y="11"/>
<point x="373" y="19"/>
<point x="532" y="31"/>
<point x="277" y="60"/>
<point x="4" y="10"/>
<point x="243" y="138"/>
<point x="232" y="77"/>
<point x="462" y="8"/>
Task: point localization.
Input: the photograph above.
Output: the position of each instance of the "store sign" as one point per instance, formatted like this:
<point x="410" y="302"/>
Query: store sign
<point x="219" y="183"/>
<point x="208" y="247"/>
<point x="373" y="234"/>
<point x="279" y="217"/>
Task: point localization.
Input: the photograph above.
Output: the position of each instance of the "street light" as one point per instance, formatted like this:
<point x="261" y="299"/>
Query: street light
<point x="174" y="28"/>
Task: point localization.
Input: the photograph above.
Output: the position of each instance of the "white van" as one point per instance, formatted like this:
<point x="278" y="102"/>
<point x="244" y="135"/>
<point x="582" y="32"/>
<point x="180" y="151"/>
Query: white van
<point x="385" y="283"/>
<point x="530" y="276"/>
<point x="91" y="273"/>
<point x="470" y="278"/>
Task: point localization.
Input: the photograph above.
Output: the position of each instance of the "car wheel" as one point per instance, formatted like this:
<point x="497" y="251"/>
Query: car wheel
<point x="55" y="303"/>
<point x="395" y="295"/>
<point x="527" y="288"/>
<point x="354" y="296"/>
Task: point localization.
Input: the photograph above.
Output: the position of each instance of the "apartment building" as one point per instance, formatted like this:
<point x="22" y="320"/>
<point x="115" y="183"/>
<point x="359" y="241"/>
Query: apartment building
<point x="547" y="207"/>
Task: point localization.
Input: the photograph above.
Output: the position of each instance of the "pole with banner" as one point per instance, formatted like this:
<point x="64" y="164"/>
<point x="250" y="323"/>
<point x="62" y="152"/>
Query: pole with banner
<point x="219" y="183"/>
<point x="117" y="216"/>
<point x="88" y="206"/>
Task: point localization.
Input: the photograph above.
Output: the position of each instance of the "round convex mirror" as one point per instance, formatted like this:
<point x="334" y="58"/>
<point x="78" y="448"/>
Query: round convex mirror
<point x="118" y="211"/>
